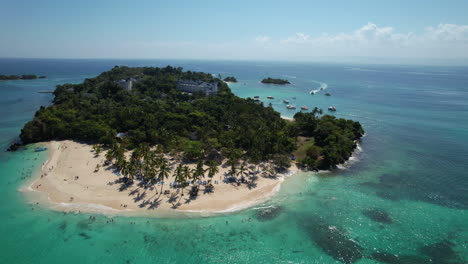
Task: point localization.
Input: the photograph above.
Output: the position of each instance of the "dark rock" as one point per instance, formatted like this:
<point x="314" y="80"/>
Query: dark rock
<point x="378" y="215"/>
<point x="332" y="240"/>
<point x="268" y="213"/>
<point x="385" y="257"/>
<point x="441" y="252"/>
<point x="84" y="235"/>
<point x="389" y="258"/>
<point x="14" y="146"/>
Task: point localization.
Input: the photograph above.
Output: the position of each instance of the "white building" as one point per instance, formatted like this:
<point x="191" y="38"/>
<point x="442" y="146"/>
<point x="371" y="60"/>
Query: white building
<point x="127" y="84"/>
<point x="197" y="86"/>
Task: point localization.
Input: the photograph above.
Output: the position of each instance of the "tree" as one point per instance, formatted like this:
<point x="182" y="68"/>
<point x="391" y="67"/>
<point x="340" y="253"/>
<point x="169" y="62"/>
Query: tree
<point x="97" y="149"/>
<point x="125" y="169"/>
<point x="233" y="170"/>
<point x="164" y="171"/>
<point x="242" y="171"/>
<point x="212" y="169"/>
<point x="199" y="171"/>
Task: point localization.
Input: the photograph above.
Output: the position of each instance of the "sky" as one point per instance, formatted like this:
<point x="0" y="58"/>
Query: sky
<point x="340" y="30"/>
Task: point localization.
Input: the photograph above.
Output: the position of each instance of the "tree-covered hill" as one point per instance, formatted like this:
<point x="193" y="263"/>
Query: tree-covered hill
<point x="155" y="112"/>
<point x="275" y="81"/>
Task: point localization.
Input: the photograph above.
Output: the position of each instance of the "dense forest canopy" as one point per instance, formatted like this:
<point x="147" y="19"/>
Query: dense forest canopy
<point x="195" y="125"/>
<point x="230" y="79"/>
<point x="20" y="77"/>
<point x="275" y="81"/>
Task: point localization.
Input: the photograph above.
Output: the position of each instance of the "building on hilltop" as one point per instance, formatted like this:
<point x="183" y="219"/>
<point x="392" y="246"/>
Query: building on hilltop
<point x="197" y="86"/>
<point x="127" y="84"/>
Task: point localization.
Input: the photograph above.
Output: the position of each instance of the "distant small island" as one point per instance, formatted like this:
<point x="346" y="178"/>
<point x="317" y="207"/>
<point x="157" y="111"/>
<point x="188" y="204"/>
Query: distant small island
<point x="275" y="81"/>
<point x="230" y="79"/>
<point x="20" y="77"/>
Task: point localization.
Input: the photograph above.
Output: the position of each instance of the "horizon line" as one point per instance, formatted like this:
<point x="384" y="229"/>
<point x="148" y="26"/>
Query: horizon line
<point x="324" y="60"/>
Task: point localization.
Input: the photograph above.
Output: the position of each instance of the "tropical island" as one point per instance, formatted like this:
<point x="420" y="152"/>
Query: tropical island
<point x="275" y="81"/>
<point x="20" y="77"/>
<point x="230" y="79"/>
<point x="146" y="138"/>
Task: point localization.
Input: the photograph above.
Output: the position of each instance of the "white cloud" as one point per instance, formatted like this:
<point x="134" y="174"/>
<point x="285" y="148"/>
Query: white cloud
<point x="448" y="33"/>
<point x="442" y="41"/>
<point x="297" y="38"/>
<point x="262" y="39"/>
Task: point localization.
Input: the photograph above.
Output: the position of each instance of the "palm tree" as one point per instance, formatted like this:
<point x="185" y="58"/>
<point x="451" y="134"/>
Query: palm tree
<point x="233" y="170"/>
<point x="178" y="175"/>
<point x="109" y="156"/>
<point x="163" y="172"/>
<point x="97" y="149"/>
<point x="182" y="174"/>
<point x="186" y="171"/>
<point x="242" y="171"/>
<point x="149" y="172"/>
<point x="112" y="152"/>
<point x="120" y="160"/>
<point x="212" y="169"/>
<point x="199" y="171"/>
<point x="125" y="168"/>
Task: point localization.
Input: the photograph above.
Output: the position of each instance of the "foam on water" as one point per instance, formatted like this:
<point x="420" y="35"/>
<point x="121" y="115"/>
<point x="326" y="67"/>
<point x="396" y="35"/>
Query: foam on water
<point x="322" y="86"/>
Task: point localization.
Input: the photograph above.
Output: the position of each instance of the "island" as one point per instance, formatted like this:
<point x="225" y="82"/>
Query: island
<point x="20" y="77"/>
<point x="275" y="81"/>
<point x="175" y="140"/>
<point x="230" y="79"/>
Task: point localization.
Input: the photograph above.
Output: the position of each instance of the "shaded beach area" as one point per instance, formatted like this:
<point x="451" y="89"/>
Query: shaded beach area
<point x="71" y="182"/>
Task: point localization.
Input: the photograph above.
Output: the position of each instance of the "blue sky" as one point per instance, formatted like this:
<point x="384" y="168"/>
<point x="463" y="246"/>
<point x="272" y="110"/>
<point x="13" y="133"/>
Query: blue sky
<point x="257" y="30"/>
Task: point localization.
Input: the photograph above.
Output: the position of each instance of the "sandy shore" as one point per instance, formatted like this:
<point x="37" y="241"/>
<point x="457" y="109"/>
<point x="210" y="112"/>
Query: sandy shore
<point x="68" y="182"/>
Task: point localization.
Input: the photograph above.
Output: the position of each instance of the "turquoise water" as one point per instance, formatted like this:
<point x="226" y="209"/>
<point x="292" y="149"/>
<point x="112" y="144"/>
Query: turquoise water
<point x="406" y="194"/>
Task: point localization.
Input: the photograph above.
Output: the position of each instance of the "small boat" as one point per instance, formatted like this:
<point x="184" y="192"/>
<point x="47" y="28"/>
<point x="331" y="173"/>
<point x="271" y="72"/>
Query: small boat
<point x="331" y="108"/>
<point x="40" y="149"/>
<point x="256" y="96"/>
<point x="286" y="101"/>
<point x="270" y="97"/>
<point x="312" y="92"/>
<point x="290" y="107"/>
<point x="328" y="94"/>
<point x="304" y="107"/>
<point x="321" y="88"/>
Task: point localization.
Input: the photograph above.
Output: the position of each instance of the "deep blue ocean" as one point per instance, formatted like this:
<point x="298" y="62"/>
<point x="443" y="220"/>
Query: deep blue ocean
<point x="402" y="199"/>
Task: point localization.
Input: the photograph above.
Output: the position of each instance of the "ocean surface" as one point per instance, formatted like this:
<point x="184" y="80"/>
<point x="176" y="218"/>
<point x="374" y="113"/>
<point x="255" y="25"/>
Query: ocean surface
<point x="402" y="199"/>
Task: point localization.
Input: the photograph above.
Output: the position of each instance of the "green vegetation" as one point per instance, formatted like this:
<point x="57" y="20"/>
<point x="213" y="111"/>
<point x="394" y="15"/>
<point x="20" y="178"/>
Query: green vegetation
<point x="275" y="81"/>
<point x="20" y="77"/>
<point x="303" y="143"/>
<point x="230" y="79"/>
<point x="333" y="140"/>
<point x="193" y="127"/>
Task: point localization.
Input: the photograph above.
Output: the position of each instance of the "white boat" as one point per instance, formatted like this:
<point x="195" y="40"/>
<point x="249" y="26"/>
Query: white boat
<point x="270" y="97"/>
<point x="331" y="108"/>
<point x="290" y="107"/>
<point x="286" y="101"/>
<point x="304" y="107"/>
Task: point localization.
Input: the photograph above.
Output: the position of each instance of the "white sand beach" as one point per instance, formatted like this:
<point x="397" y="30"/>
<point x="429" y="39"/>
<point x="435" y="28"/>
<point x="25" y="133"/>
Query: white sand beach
<point x="69" y="182"/>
